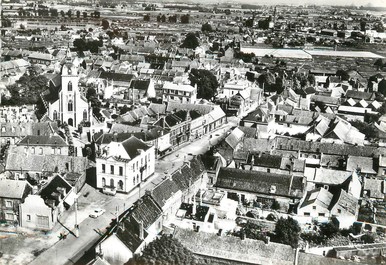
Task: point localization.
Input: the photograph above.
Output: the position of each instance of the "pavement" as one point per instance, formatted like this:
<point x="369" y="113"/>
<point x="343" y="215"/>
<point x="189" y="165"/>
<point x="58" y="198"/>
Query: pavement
<point x="69" y="250"/>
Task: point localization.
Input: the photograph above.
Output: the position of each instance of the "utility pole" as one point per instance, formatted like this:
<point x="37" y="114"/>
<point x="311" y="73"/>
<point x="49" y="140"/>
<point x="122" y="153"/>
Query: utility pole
<point x="76" y="218"/>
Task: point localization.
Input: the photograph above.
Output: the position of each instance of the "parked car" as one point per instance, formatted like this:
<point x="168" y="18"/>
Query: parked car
<point x="109" y="190"/>
<point x="97" y="212"/>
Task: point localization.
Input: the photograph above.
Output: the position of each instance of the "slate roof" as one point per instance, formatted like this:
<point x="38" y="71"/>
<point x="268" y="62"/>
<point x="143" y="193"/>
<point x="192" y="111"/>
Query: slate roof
<point x="13" y="188"/>
<point x="249" y="132"/>
<point x="260" y="182"/>
<point x="13" y="129"/>
<point x="265" y="160"/>
<point x="234" y="138"/>
<point x="346" y="202"/>
<point x="200" y="108"/>
<point x="51" y="191"/>
<point x="140" y="84"/>
<point x="330" y="176"/>
<point x="360" y="95"/>
<point x="374" y="186"/>
<point x="42" y="140"/>
<point x="128" y="234"/>
<point x="283" y="143"/>
<point x="322" y="197"/>
<point x="365" y="164"/>
<point x="133" y="145"/>
<point x="117" y="77"/>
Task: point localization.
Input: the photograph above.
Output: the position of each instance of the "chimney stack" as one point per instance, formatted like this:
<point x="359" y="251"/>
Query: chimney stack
<point x="141" y="232"/>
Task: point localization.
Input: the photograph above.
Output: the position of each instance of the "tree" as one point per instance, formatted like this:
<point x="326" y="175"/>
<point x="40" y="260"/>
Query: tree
<point x="190" y="41"/>
<point x="382" y="87"/>
<point x="97" y="14"/>
<point x="275" y="205"/>
<point x="343" y="74"/>
<point x="368" y="130"/>
<point x="206" y="82"/>
<point x="287" y="231"/>
<point x="206" y="27"/>
<point x="69" y="13"/>
<point x="267" y="80"/>
<point x="78" y="14"/>
<point x="146" y="17"/>
<point x="105" y="24"/>
<point x="185" y="19"/>
<point x="62" y="13"/>
<point x="84" y="14"/>
<point x="164" y="250"/>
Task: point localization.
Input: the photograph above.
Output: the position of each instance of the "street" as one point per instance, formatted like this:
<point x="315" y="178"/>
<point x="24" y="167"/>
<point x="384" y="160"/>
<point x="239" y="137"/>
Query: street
<point x="69" y="250"/>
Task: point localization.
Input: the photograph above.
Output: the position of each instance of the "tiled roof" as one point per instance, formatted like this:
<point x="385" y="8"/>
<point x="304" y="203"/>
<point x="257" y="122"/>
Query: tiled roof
<point x="164" y="191"/>
<point x="51" y="163"/>
<point x="188" y="173"/>
<point x="234" y="249"/>
<point x="43" y="140"/>
<point x="129" y="235"/>
<point x="147" y="211"/>
<point x="117" y="77"/>
<point x="14" y="189"/>
<point x="365" y="164"/>
<point x="322" y="197"/>
<point x="260" y="182"/>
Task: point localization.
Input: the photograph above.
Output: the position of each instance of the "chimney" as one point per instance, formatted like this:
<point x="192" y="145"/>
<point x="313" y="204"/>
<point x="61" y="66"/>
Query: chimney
<point x="141" y="230"/>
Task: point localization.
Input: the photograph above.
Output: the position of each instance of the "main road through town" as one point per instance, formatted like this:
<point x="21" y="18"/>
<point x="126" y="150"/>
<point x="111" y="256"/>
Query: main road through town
<point x="69" y="250"/>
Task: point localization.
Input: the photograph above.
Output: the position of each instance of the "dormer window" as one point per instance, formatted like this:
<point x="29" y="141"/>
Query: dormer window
<point x="272" y="189"/>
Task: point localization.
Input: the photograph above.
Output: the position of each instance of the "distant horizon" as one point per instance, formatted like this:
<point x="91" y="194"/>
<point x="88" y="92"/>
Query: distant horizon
<point x="357" y="3"/>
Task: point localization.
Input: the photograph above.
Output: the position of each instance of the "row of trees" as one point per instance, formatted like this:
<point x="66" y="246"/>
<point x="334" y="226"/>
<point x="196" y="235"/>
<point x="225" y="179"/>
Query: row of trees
<point x="53" y="12"/>
<point x="184" y="19"/>
<point x="91" y="45"/>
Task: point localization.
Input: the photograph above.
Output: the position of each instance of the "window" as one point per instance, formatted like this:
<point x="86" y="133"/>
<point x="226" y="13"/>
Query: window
<point x="112" y="183"/>
<point x="103" y="168"/>
<point x="112" y="169"/>
<point x="8" y="204"/>
<point x="55" y="115"/>
<point x="2" y="129"/>
<point x="33" y="150"/>
<point x="59" y="151"/>
<point x="120" y="185"/>
<point x="148" y="157"/>
<point x="134" y="180"/>
<point x="307" y="214"/>
<point x="120" y="171"/>
<point x="137" y="165"/>
<point x="40" y="151"/>
<point x="9" y="216"/>
<point x="42" y="221"/>
<point x="85" y="115"/>
<point x="70" y="105"/>
<point x="70" y="86"/>
<point x="321" y="214"/>
<point x="53" y="150"/>
<point x="28" y="218"/>
<point x="314" y="207"/>
<point x="26" y="150"/>
<point x="103" y="182"/>
<point x="339" y="211"/>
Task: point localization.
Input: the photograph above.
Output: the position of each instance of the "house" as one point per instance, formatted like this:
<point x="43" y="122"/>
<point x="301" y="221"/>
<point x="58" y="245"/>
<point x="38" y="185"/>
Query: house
<point x="41" y="58"/>
<point x="140" y="90"/>
<point x="42" y="210"/>
<point x="71" y="107"/>
<point x="42" y="145"/>
<point x="178" y="123"/>
<point x="12" y="194"/>
<point x="262" y="186"/>
<point x="38" y="168"/>
<point x="182" y="93"/>
<point x="124" y="165"/>
<point x="36" y="214"/>
<point x="320" y="204"/>
<point x="13" y="132"/>
<point x="137" y="229"/>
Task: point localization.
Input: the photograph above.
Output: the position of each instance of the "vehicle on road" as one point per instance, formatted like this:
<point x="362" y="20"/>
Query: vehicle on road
<point x="97" y="212"/>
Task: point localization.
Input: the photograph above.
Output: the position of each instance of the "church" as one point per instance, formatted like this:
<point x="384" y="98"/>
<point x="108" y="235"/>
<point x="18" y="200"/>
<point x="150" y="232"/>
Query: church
<point x="72" y="106"/>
